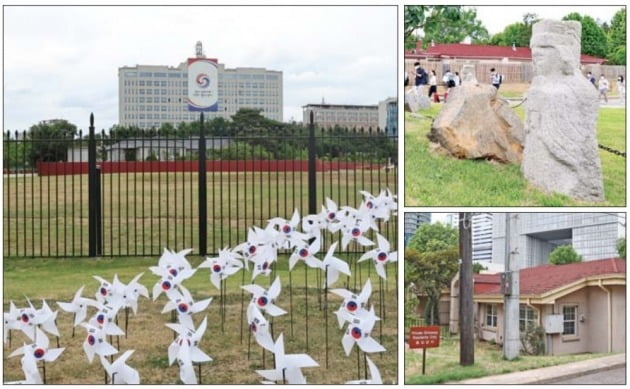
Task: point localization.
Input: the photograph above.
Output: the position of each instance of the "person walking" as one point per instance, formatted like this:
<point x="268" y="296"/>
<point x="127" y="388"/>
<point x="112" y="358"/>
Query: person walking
<point x="433" y="87"/>
<point x="603" y="87"/>
<point x="621" y="87"/>
<point x="495" y="78"/>
<point x="421" y="78"/>
<point x="590" y="78"/>
<point x="458" y="79"/>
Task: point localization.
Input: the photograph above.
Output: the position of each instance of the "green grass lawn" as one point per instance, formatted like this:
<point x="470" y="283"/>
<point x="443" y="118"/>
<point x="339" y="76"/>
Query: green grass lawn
<point x="143" y="212"/>
<point x="439" y="180"/>
<point x="58" y="279"/>
<point x="442" y="363"/>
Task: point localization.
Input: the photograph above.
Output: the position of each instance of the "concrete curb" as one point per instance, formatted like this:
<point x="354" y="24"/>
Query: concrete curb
<point x="551" y="374"/>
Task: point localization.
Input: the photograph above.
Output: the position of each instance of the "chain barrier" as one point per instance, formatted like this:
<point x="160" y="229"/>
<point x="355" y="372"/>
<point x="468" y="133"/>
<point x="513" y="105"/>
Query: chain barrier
<point x="611" y="150"/>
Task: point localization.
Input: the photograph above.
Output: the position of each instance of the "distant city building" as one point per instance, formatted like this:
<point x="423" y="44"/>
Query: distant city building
<point x="452" y="219"/>
<point x="345" y="116"/>
<point x="592" y="235"/>
<point x="482" y="237"/>
<point x="149" y="95"/>
<point x="413" y="220"/>
<point x="388" y="115"/>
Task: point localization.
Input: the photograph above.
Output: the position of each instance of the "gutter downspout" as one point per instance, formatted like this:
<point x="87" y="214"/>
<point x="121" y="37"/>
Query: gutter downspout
<point x="610" y="323"/>
<point x="538" y="315"/>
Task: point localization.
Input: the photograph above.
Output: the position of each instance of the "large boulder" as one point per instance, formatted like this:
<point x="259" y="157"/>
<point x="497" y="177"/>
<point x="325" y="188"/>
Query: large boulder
<point x="475" y="124"/>
<point x="561" y="152"/>
<point x="414" y="103"/>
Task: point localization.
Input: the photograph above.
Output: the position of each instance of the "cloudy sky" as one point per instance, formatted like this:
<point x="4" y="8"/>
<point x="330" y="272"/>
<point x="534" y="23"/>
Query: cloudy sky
<point x="62" y="62"/>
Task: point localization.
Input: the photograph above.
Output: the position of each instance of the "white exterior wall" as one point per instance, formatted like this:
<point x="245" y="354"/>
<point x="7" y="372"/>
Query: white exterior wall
<point x="151" y="95"/>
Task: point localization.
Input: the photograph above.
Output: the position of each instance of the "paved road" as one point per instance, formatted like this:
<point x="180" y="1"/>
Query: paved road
<point x="606" y="377"/>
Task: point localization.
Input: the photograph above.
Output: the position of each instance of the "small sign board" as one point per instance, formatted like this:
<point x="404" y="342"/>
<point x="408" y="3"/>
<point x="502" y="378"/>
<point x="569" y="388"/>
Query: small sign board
<point x="553" y="324"/>
<point x="424" y="337"/>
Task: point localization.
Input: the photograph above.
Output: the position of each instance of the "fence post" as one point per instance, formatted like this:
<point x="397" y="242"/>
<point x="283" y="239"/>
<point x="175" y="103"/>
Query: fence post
<point x="98" y="219"/>
<point x="312" y="177"/>
<point x="203" y="194"/>
<point x="93" y="192"/>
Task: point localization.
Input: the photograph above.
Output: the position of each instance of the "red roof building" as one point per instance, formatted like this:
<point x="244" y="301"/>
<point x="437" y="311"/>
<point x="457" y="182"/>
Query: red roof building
<point x="482" y="53"/>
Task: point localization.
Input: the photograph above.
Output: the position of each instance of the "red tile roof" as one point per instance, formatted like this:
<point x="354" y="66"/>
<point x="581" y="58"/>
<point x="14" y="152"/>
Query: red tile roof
<point x="541" y="279"/>
<point x="461" y="50"/>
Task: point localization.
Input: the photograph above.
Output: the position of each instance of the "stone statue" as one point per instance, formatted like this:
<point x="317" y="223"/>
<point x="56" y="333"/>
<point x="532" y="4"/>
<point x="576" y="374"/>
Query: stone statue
<point x="561" y="152"/>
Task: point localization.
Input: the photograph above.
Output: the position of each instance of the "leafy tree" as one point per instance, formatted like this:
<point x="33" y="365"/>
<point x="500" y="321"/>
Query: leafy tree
<point x="594" y="41"/>
<point x="621" y="247"/>
<point x="16" y="153"/>
<point x="424" y="17"/>
<point x="562" y="255"/>
<point x="478" y="267"/>
<point x="443" y="28"/>
<point x="617" y="38"/>
<point x="518" y="34"/>
<point x="431" y="272"/>
<point x="434" y="237"/>
<point x="51" y="140"/>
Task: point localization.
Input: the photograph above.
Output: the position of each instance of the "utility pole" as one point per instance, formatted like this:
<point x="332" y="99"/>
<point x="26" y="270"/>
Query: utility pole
<point x="466" y="319"/>
<point x="510" y="289"/>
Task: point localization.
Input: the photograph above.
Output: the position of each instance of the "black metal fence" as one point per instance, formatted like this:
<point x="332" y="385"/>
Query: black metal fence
<point x="98" y="195"/>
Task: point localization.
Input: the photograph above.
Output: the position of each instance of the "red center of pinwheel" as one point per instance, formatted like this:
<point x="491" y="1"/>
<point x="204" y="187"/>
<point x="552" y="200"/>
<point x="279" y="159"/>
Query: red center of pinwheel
<point x="265" y="266"/>
<point x="173" y="272"/>
<point x="216" y="268"/>
<point x="253" y="327"/>
<point x="331" y="215"/>
<point x="303" y="253"/>
<point x="103" y="292"/>
<point x="100" y="318"/>
<point x="382" y="256"/>
<point x="183" y="307"/>
<point x="252" y="249"/>
<point x="356" y="232"/>
<point x="166" y="285"/>
<point x="356" y="332"/>
<point x="91" y="340"/>
<point x="262" y="301"/>
<point x="351" y="306"/>
<point x="39" y="352"/>
<point x="369" y="204"/>
<point x="25" y="318"/>
<point x="286" y="228"/>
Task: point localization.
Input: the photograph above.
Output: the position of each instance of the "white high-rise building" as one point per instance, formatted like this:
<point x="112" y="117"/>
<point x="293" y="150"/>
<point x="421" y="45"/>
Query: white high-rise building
<point x="150" y="95"/>
<point x="413" y="220"/>
<point x="482" y="237"/>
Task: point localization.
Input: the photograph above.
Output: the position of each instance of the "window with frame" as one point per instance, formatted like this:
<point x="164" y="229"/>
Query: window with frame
<point x="569" y="313"/>
<point x="491" y="315"/>
<point x="527" y="318"/>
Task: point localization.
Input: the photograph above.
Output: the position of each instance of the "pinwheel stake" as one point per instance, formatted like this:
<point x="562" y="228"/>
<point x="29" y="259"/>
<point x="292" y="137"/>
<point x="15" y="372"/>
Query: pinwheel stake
<point x="326" y="311"/>
<point x="291" y="300"/>
<point x="44" y="371"/>
<point x="306" y="302"/>
<point x="243" y="305"/>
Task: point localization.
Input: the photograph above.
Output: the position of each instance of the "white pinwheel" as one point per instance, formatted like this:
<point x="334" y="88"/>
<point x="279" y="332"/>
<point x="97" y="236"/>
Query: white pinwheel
<point x="171" y="278"/>
<point x="289" y="236"/>
<point x="359" y="331"/>
<point x="37" y="351"/>
<point x="96" y="342"/>
<point x="119" y="372"/>
<point x="312" y="225"/>
<point x="186" y="306"/>
<point x="288" y="367"/>
<point x="380" y="256"/>
<point x="352" y="304"/>
<point x="333" y="266"/>
<point x="266" y="256"/>
<point x="105" y="319"/>
<point x="105" y="293"/>
<point x="12" y="321"/>
<point x="259" y="327"/>
<point x="185" y="350"/>
<point x="177" y="261"/>
<point x="355" y="231"/>
<point x="329" y="214"/>
<point x="131" y="292"/>
<point x="306" y="253"/>
<point x="265" y="299"/>
<point x="223" y="266"/>
<point x="30" y="318"/>
<point x="375" y="376"/>
<point x="78" y="306"/>
<point x="250" y="248"/>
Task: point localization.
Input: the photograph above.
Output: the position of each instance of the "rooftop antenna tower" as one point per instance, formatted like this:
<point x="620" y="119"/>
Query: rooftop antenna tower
<point x="199" y="50"/>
